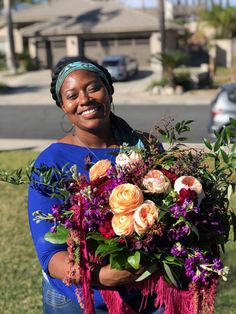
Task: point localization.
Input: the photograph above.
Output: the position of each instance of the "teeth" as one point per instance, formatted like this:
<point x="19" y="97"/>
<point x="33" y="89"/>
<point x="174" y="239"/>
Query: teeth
<point x="89" y="111"/>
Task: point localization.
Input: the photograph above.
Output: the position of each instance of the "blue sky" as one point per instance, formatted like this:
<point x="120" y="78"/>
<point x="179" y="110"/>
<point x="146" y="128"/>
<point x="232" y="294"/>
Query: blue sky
<point x="152" y="3"/>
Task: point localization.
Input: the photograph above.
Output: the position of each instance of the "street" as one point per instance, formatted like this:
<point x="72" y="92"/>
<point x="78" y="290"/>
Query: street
<point x="46" y="122"/>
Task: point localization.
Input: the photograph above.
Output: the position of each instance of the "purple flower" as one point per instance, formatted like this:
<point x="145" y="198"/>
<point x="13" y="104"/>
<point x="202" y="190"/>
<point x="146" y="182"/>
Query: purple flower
<point x="178" y="250"/>
<point x="178" y="232"/>
<point x="56" y="210"/>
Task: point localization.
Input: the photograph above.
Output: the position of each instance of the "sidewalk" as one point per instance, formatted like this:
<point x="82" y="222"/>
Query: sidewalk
<point x="32" y="88"/>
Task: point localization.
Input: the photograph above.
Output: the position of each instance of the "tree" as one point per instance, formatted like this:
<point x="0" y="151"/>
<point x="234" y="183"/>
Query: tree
<point x="161" y="6"/>
<point x="169" y="61"/>
<point x="222" y="19"/>
<point x="10" y="50"/>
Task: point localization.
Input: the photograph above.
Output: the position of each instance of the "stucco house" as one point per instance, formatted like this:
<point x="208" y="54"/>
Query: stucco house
<point x="92" y="28"/>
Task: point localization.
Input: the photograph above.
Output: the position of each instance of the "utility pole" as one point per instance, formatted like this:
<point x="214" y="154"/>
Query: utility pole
<point x="10" y="46"/>
<point x="161" y="5"/>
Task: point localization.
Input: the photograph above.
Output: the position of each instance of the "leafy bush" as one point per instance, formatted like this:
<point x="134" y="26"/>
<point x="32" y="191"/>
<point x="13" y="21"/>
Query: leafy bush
<point x="183" y="79"/>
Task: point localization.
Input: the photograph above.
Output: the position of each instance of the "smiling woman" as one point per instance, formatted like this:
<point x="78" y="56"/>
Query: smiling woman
<point x="83" y="90"/>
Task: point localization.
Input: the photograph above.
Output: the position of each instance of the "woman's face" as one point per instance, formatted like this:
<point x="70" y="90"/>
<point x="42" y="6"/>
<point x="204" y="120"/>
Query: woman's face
<point x="86" y="100"/>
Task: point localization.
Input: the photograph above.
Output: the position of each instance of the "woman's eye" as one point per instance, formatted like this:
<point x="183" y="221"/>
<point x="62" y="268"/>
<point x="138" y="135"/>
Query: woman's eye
<point x="93" y="88"/>
<point x="71" y="96"/>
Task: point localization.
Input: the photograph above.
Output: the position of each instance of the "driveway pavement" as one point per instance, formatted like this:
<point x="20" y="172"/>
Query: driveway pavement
<point x="32" y="88"/>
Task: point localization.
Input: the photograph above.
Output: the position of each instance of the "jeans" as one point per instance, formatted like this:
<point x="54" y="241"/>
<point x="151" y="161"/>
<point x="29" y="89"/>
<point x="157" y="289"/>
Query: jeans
<point x="56" y="303"/>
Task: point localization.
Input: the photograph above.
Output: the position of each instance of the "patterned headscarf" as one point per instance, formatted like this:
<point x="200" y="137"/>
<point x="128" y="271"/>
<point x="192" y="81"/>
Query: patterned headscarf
<point x="78" y="65"/>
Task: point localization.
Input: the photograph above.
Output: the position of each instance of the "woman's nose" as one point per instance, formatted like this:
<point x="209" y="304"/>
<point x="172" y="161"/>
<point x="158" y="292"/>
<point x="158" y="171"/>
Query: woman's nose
<point x="83" y="98"/>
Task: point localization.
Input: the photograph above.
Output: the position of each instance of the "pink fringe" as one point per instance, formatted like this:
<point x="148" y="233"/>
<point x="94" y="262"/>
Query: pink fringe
<point x="85" y="275"/>
<point x="115" y="303"/>
<point x="196" y="300"/>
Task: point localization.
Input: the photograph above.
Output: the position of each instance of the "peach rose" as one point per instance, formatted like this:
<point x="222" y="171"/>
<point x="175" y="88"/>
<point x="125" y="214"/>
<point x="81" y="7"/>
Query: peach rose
<point x="188" y="182"/>
<point x="99" y="169"/>
<point x="125" y="198"/>
<point x="145" y="216"/>
<point x="123" y="224"/>
<point x="156" y="182"/>
<point x="130" y="159"/>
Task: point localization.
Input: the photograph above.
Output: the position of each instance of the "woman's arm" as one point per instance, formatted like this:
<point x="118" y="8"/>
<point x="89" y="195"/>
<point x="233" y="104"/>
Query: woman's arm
<point x="100" y="275"/>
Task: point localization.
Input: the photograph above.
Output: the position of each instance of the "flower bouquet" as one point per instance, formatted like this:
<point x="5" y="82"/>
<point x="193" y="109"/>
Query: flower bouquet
<point x="167" y="210"/>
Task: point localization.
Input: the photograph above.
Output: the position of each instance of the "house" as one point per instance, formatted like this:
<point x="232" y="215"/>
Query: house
<point x="92" y="28"/>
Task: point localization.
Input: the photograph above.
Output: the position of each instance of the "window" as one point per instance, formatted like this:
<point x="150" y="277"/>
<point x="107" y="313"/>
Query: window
<point x="232" y="96"/>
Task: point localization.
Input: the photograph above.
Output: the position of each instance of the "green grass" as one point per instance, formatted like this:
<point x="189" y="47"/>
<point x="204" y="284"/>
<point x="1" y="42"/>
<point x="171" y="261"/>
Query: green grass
<point x="20" y="284"/>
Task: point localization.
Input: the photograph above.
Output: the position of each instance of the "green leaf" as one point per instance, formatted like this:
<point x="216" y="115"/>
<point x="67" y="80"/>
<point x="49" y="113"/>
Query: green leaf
<point x="170" y="275"/>
<point x="224" y="156"/>
<point x="232" y="122"/>
<point x="59" y="237"/>
<point x="97" y="237"/>
<point x="134" y="260"/>
<point x="218" y="144"/>
<point x="108" y="248"/>
<point x="151" y="269"/>
<point x="207" y="143"/>
<point x="119" y="261"/>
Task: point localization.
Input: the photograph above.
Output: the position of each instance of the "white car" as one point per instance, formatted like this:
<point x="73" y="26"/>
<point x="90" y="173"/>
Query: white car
<point x="120" y="67"/>
<point x="223" y="107"/>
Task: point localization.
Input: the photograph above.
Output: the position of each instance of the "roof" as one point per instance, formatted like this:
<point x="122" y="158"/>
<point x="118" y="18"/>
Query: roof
<point x="84" y="16"/>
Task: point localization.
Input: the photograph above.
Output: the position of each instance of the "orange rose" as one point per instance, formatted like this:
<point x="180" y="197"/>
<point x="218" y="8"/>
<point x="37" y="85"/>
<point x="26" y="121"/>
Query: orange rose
<point x="125" y="198"/>
<point x="99" y="169"/>
<point x="123" y="224"/>
<point x="145" y="216"/>
<point x="156" y="182"/>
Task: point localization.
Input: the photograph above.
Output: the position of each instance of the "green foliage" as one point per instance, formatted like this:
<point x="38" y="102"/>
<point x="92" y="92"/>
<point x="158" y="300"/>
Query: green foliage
<point x="25" y="61"/>
<point x="183" y="79"/>
<point x="222" y="19"/>
<point x="162" y="83"/>
<point x="171" y="59"/>
<point x="172" y="133"/>
<point x="59" y="237"/>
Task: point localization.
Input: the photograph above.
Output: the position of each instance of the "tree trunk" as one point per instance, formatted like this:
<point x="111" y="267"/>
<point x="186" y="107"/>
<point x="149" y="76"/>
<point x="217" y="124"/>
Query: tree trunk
<point x="162" y="25"/>
<point x="10" y="50"/>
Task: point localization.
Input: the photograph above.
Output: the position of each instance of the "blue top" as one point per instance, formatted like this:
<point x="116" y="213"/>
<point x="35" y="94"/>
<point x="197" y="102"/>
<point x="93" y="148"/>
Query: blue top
<point x="57" y="155"/>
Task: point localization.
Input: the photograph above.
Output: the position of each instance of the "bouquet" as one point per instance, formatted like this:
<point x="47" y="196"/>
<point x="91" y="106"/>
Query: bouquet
<point x="168" y="210"/>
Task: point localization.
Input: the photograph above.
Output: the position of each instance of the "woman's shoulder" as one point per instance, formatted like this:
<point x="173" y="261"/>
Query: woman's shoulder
<point x="50" y="154"/>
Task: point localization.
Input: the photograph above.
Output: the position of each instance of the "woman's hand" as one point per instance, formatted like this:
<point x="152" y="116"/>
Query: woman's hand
<point x="112" y="277"/>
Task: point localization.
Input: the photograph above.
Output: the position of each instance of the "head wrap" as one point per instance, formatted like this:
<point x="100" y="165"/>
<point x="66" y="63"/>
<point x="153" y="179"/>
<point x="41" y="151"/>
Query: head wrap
<point x="78" y="65"/>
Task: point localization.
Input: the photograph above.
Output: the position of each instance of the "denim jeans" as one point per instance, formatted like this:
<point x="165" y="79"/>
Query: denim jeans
<point x="56" y="303"/>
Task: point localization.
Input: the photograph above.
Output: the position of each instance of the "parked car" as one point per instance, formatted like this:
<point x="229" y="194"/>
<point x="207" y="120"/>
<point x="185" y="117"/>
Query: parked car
<point x="223" y="107"/>
<point x="120" y="67"/>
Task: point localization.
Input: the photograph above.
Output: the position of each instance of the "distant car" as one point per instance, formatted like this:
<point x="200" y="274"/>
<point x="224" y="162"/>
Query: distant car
<point x="120" y="67"/>
<point x="223" y="107"/>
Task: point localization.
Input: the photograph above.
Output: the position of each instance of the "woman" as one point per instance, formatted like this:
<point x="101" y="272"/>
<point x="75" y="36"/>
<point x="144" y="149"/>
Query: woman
<point x="83" y="90"/>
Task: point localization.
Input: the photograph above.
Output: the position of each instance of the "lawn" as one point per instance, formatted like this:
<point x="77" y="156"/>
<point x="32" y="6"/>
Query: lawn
<point x="20" y="285"/>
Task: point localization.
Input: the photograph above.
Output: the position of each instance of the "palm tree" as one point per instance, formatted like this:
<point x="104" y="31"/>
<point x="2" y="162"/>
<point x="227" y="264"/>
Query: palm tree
<point x="222" y="19"/>
<point x="169" y="61"/>
<point x="10" y="51"/>
<point x="161" y="5"/>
